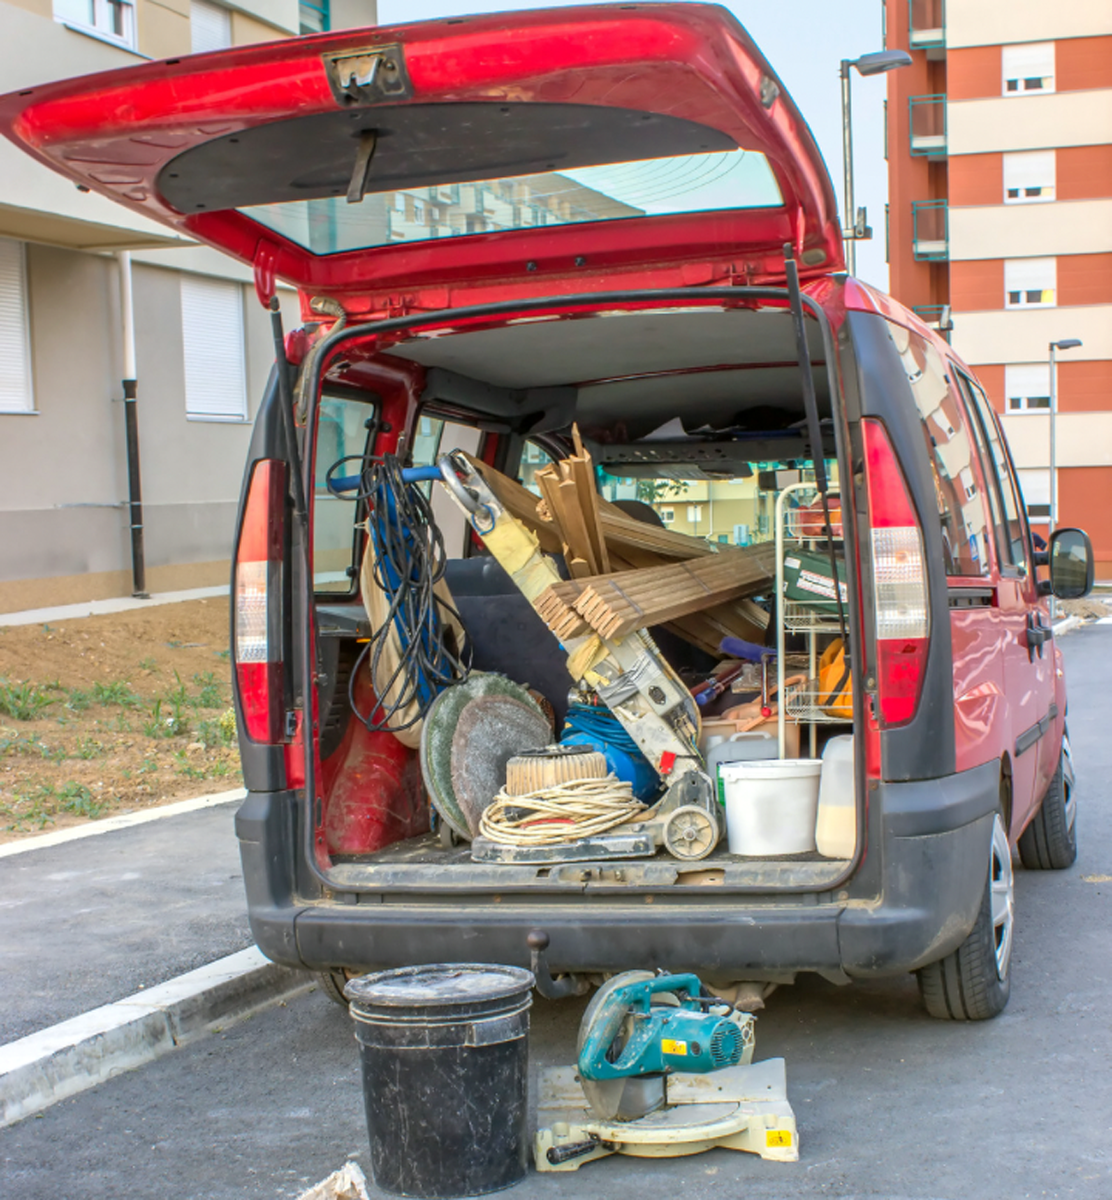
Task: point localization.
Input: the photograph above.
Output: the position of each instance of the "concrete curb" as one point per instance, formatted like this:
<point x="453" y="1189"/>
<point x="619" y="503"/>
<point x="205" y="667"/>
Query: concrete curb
<point x="100" y="608"/>
<point x="57" y="837"/>
<point x="59" y="1062"/>
<point x="1066" y="624"/>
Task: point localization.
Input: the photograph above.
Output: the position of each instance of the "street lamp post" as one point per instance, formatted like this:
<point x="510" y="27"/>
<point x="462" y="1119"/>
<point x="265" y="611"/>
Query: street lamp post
<point x="1063" y="344"/>
<point x="868" y="64"/>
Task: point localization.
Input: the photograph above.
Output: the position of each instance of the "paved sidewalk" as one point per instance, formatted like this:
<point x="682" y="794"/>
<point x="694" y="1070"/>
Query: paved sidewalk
<point x="96" y="608"/>
<point x="93" y="920"/>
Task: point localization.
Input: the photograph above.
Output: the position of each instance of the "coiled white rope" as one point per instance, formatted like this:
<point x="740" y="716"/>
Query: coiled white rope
<point x="567" y="812"/>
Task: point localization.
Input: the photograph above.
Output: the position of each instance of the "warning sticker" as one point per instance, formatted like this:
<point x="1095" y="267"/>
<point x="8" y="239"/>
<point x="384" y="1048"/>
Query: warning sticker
<point x="671" y="1047"/>
<point x="778" y="1137"/>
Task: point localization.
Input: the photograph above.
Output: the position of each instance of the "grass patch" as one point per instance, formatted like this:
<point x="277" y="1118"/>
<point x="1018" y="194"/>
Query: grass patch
<point x="78" y="700"/>
<point x="117" y="692"/>
<point x="211" y="694"/>
<point x="23" y="701"/>
<point x="88" y="748"/>
<point x="167" y="718"/>
<point x="36" y="810"/>
<point x="148" y="664"/>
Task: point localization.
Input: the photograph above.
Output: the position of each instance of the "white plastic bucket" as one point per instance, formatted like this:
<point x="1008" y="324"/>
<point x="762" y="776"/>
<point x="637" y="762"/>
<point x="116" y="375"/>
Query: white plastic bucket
<point x="771" y="805"/>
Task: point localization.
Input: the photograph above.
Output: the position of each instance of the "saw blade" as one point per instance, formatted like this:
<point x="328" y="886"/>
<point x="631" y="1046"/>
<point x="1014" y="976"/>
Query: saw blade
<point x="620" y="1099"/>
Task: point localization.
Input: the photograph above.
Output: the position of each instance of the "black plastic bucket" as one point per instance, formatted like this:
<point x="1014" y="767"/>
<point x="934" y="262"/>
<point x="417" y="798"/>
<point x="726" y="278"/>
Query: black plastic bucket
<point x="445" y="1075"/>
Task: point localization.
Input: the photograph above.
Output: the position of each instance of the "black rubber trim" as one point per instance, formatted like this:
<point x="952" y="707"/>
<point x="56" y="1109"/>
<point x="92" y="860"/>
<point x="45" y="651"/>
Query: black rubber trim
<point x="923" y="807"/>
<point x="1030" y="736"/>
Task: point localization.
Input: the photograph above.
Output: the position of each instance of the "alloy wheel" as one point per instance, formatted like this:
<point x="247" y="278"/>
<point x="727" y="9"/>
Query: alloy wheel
<point x="1003" y="897"/>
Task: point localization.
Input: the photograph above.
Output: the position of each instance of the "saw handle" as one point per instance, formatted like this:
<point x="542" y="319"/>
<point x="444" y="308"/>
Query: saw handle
<point x="565" y="1153"/>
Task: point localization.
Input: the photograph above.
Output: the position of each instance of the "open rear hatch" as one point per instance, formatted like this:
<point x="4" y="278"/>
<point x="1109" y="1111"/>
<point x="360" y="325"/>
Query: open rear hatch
<point x="550" y="148"/>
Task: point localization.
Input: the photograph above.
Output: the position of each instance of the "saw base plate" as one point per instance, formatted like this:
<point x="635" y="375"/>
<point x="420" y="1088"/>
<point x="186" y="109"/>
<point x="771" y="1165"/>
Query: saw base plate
<point x="740" y="1108"/>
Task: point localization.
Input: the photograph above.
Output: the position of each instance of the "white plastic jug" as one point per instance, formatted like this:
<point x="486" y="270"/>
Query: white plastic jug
<point x="836" y="824"/>
<point x="771" y="805"/>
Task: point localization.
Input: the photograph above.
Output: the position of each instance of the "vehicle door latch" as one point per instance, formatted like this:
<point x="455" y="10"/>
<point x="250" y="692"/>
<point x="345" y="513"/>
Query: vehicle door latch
<point x="368" y="76"/>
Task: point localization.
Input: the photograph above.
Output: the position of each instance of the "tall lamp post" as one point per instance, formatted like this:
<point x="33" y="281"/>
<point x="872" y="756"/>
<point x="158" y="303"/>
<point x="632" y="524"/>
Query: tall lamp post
<point x="1064" y="344"/>
<point x="868" y="64"/>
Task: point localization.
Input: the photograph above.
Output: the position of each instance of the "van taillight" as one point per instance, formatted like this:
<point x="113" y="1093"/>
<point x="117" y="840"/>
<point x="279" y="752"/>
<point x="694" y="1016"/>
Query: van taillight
<point x="901" y="604"/>
<point x="258" y="602"/>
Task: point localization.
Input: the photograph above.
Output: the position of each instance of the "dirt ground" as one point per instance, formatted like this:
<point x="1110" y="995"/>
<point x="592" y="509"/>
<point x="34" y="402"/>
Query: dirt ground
<point x="112" y="714"/>
<point x="1090" y="609"/>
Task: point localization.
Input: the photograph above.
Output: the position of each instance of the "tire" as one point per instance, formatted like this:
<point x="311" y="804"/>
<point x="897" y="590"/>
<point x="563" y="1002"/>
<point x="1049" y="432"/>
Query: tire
<point x="1049" y="843"/>
<point x="973" y="983"/>
<point x="332" y="983"/>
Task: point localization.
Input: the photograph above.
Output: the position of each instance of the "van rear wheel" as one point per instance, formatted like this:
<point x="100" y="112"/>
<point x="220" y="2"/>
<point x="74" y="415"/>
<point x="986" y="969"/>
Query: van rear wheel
<point x="973" y="983"/>
<point x="1049" y="843"/>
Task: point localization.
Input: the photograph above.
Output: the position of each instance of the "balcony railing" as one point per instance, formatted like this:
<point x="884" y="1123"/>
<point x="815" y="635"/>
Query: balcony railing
<point x="927" y="123"/>
<point x="926" y="23"/>
<point x="930" y="230"/>
<point x="936" y="316"/>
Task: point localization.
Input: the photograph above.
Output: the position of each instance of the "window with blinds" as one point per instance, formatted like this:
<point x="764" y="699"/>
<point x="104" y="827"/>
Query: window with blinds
<point x="1030" y="282"/>
<point x="1028" y="68"/>
<point x="1027" y="386"/>
<point x="210" y="26"/>
<point x="1035" y="485"/>
<point x="1029" y="177"/>
<point x="15" y="343"/>
<point x="212" y="335"/>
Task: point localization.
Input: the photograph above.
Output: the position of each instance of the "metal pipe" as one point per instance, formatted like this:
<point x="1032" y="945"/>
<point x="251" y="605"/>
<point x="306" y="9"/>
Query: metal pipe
<point x="849" y="216"/>
<point x="131" y="430"/>
<point x="1053" y="437"/>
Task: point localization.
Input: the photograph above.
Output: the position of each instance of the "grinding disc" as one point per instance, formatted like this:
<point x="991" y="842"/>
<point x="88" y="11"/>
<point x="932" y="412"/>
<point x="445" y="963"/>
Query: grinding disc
<point x="489" y="732"/>
<point x="439" y="730"/>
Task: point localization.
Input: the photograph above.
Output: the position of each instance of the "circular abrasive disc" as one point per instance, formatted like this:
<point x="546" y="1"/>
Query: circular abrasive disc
<point x="490" y="731"/>
<point x="438" y="731"/>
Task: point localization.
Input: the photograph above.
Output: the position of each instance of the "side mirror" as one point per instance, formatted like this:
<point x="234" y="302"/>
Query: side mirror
<point x="1071" y="564"/>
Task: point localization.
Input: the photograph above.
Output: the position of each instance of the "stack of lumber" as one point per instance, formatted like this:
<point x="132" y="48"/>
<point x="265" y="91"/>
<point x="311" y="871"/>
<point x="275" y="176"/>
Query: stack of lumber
<point x="617" y="605"/>
<point x="700" y="596"/>
<point x="571" y="502"/>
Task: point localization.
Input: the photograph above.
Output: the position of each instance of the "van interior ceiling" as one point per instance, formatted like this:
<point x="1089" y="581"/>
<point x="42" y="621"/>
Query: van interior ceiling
<point x="671" y="408"/>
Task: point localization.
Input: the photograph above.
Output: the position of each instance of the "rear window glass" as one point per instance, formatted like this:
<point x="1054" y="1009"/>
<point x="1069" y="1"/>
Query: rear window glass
<point x="686" y="183"/>
<point x="1011" y="533"/>
<point x="344" y="426"/>
<point x="961" y="509"/>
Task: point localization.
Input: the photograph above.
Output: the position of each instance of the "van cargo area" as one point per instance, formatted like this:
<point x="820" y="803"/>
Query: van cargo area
<point x="570" y="420"/>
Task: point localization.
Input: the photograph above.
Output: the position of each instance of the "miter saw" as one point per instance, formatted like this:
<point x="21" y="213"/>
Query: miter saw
<point x="664" y="1069"/>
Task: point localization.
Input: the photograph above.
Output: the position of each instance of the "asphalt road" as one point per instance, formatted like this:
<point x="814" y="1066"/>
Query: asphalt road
<point x="890" y="1103"/>
<point x="91" y="921"/>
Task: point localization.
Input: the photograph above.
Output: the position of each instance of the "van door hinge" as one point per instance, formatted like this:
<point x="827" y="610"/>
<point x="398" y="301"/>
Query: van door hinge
<point x="293" y="718"/>
<point x="1037" y="635"/>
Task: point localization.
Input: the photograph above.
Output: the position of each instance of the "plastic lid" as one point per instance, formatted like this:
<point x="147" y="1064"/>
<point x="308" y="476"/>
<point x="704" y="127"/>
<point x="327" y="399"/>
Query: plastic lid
<point x="438" y="985"/>
<point x="769" y="768"/>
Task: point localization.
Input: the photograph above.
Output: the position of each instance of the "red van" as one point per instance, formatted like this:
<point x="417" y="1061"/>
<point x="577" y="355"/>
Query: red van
<point x="612" y="216"/>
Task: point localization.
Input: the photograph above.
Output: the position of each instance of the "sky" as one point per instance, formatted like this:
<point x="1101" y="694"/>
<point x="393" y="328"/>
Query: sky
<point x="805" y="41"/>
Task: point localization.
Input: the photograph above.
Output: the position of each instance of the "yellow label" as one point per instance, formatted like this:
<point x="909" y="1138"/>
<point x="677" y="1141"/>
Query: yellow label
<point x="778" y="1137"/>
<point x="671" y="1047"/>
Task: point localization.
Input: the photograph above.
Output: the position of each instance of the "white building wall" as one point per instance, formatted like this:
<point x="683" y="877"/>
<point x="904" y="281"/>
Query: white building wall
<point x="989" y="22"/>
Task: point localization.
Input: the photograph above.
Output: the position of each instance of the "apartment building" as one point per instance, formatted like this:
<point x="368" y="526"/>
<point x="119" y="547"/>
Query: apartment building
<point x="999" y="226"/>
<point x="203" y="343"/>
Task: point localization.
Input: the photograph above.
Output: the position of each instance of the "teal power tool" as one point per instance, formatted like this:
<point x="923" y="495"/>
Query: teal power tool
<point x="640" y="1028"/>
